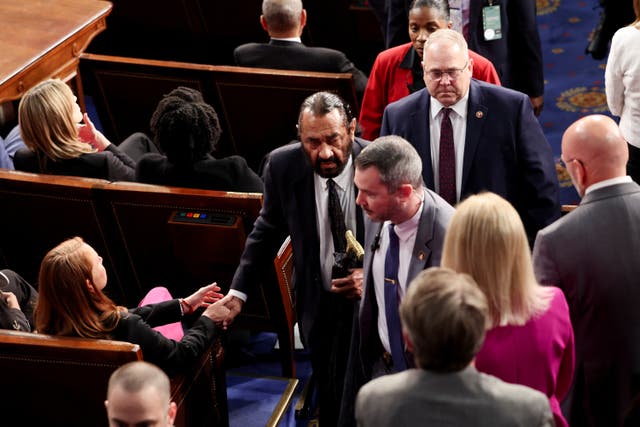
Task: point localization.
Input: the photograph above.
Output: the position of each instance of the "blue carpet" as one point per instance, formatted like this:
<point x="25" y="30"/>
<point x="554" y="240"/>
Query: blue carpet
<point x="253" y="389"/>
<point x="574" y="82"/>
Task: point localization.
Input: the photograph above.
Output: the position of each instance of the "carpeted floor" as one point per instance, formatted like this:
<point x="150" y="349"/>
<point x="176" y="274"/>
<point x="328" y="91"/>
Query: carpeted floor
<point x="574" y="82"/>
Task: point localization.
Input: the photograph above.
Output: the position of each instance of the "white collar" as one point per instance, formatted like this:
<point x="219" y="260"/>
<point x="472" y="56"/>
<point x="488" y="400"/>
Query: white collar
<point x="287" y="39"/>
<point x="607" y="183"/>
<point x="459" y="107"/>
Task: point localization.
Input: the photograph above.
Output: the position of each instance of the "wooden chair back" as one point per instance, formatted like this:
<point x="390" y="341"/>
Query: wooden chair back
<point x="40" y="211"/>
<point x="57" y="381"/>
<point x="62" y="381"/>
<point x="258" y="108"/>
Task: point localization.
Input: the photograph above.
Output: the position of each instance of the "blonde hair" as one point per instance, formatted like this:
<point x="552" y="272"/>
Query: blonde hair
<point x="46" y="122"/>
<point x="445" y="316"/>
<point x="66" y="304"/>
<point x="486" y="239"/>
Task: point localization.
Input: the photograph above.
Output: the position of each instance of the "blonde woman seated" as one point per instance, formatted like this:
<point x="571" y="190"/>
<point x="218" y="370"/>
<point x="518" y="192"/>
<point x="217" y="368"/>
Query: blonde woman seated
<point x="57" y="143"/>
<point x="530" y="341"/>
<point x="71" y="302"/>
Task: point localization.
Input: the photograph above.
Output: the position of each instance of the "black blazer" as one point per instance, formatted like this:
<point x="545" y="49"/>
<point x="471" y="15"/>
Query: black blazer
<point x="228" y="174"/>
<point x="286" y="55"/>
<point x="173" y="357"/>
<point x="111" y="164"/>
<point x="289" y="208"/>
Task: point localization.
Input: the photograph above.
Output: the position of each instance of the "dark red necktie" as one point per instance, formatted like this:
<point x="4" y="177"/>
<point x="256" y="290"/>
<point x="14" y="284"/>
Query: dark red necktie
<point x="447" y="160"/>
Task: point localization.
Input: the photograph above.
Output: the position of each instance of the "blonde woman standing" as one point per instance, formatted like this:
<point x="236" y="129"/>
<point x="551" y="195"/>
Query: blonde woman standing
<point x="530" y="341"/>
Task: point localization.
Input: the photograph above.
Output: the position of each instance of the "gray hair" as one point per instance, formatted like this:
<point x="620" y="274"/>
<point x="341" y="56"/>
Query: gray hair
<point x="282" y="15"/>
<point x="448" y="35"/>
<point x="396" y="160"/>
<point x="323" y="103"/>
<point x="444" y="313"/>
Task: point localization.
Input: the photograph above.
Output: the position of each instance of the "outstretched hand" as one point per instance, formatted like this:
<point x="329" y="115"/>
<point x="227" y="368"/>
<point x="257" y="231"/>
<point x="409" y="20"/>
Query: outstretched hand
<point x="350" y="286"/>
<point x="204" y="297"/>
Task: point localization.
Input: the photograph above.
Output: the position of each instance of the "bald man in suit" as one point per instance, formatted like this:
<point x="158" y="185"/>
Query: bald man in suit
<point x="592" y="254"/>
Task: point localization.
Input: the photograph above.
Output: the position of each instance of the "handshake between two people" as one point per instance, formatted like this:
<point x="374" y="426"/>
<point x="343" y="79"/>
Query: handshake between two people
<point x="347" y="268"/>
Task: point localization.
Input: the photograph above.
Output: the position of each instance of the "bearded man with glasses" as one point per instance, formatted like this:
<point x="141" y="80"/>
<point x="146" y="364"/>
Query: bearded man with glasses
<point x="473" y="136"/>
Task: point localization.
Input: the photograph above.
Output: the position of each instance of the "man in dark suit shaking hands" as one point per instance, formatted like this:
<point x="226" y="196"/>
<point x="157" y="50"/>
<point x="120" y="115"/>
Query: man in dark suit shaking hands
<point x="476" y="137"/>
<point x="284" y="20"/>
<point x="308" y="190"/>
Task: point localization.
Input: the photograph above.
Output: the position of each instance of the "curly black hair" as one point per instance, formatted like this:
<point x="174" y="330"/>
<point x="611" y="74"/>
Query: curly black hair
<point x="185" y="128"/>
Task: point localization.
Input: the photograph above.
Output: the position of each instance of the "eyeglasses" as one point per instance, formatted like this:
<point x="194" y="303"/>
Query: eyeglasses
<point x="564" y="163"/>
<point x="454" y="73"/>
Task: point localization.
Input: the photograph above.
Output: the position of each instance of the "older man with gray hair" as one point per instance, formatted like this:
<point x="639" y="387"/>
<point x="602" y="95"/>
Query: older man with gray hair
<point x="403" y="235"/>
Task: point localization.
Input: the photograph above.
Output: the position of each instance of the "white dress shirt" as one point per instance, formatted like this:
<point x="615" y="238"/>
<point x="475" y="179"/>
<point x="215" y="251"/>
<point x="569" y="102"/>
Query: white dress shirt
<point x="458" y="119"/>
<point x="346" y="192"/>
<point x="607" y="183"/>
<point x="406" y="232"/>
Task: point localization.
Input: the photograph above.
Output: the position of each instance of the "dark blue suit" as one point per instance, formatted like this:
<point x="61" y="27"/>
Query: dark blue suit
<point x="505" y="149"/>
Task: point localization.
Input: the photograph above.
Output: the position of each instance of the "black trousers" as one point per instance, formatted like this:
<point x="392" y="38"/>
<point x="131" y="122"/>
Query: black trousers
<point x="332" y="345"/>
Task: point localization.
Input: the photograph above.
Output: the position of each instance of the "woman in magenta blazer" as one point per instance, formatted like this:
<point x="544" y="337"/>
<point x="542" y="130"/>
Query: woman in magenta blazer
<point x="531" y="338"/>
<point x="397" y="72"/>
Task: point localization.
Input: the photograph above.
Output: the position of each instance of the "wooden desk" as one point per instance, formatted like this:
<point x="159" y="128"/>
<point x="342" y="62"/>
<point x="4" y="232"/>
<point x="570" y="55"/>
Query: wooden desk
<point x="43" y="39"/>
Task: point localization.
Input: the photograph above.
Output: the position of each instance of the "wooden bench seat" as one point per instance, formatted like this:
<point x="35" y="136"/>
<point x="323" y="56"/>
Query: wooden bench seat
<point x="60" y="381"/>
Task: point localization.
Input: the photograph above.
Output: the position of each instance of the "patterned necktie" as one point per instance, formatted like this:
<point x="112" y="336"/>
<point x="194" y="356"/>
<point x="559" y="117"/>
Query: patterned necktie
<point x="392" y="300"/>
<point x="336" y="218"/>
<point x="447" y="160"/>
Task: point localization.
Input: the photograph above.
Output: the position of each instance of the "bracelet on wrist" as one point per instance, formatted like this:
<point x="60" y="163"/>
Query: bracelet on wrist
<point x="185" y="307"/>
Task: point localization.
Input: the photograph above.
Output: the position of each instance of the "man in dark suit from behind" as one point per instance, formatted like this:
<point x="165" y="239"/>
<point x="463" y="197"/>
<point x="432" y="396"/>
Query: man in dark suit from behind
<point x="284" y="20"/>
<point x="444" y="316"/>
<point x="592" y="254"/>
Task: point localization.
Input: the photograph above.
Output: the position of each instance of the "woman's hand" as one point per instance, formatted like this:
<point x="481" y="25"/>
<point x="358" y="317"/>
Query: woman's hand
<point x="203" y="297"/>
<point x="88" y="133"/>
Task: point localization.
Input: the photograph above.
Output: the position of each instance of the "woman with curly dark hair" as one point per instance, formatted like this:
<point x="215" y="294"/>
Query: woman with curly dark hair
<point x="186" y="130"/>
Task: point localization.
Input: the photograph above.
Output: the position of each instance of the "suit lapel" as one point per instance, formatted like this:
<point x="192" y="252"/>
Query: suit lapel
<point x="304" y="191"/>
<point x="421" y="136"/>
<point x="476" y="115"/>
<point x="421" y="250"/>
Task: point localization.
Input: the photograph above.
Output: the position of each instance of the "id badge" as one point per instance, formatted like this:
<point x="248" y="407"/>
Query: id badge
<point x="491" y="22"/>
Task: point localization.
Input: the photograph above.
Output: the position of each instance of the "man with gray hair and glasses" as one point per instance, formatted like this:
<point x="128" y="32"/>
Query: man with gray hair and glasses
<point x="473" y="136"/>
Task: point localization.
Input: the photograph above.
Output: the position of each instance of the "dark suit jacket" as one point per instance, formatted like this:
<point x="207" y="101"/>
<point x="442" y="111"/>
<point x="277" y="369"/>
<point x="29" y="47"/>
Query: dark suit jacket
<point x="227" y="174"/>
<point x="112" y="164"/>
<point x="427" y="252"/>
<point x="13" y="318"/>
<point x="505" y="149"/>
<point x="286" y="55"/>
<point x="593" y="255"/>
<point x="171" y="356"/>
<point x="517" y="56"/>
<point x="289" y="208"/>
